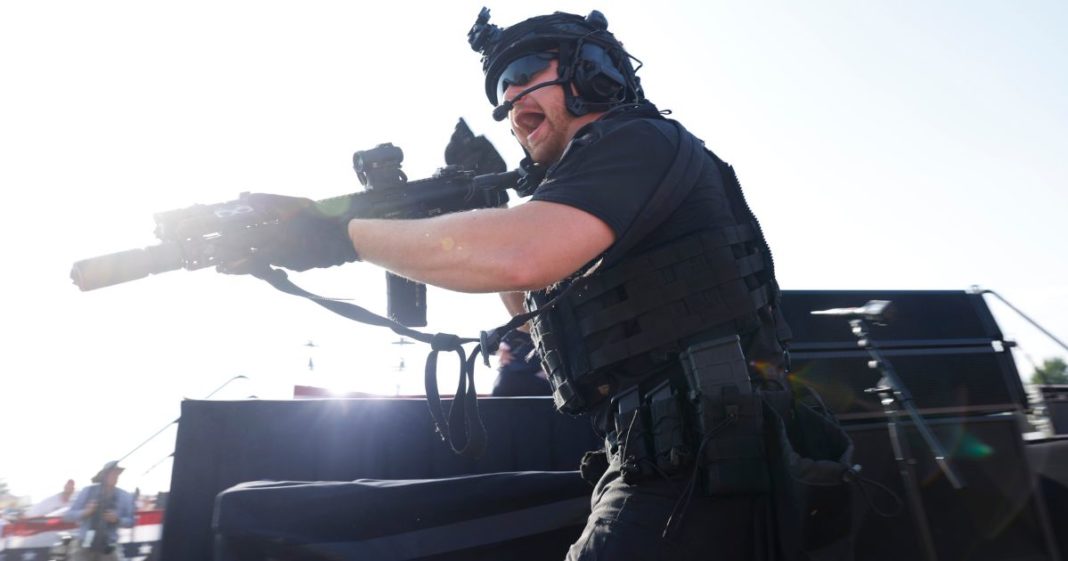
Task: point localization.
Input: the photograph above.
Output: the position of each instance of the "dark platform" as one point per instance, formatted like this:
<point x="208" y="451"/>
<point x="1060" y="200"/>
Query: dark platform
<point x="944" y="344"/>
<point x="222" y="444"/>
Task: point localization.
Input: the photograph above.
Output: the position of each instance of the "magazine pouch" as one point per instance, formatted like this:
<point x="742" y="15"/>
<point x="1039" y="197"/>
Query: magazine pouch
<point x="810" y="463"/>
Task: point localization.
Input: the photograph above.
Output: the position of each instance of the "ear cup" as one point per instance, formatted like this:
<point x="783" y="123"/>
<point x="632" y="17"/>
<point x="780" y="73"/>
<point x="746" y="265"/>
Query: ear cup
<point x="596" y="77"/>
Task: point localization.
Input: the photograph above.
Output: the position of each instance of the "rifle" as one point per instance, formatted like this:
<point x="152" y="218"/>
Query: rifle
<point x="210" y="235"/>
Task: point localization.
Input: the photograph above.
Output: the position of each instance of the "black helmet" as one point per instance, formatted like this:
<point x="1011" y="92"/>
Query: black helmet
<point x="589" y="57"/>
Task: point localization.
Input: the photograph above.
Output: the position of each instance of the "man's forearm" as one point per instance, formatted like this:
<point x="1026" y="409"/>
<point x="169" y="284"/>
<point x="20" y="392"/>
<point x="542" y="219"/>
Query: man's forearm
<point x="449" y="251"/>
<point x="487" y="250"/>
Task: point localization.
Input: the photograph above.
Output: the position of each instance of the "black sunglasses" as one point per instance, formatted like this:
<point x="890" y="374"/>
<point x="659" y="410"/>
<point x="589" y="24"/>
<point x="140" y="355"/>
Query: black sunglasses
<point x="521" y="70"/>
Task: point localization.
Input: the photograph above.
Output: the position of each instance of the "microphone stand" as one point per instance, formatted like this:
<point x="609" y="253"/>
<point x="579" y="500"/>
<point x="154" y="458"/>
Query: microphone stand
<point x="895" y="396"/>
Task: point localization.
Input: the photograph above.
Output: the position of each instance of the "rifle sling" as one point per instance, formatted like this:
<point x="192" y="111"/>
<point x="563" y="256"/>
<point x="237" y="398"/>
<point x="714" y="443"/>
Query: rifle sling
<point x="677" y="183"/>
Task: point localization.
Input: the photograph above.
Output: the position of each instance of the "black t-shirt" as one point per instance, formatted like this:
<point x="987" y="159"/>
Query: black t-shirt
<point x="615" y="164"/>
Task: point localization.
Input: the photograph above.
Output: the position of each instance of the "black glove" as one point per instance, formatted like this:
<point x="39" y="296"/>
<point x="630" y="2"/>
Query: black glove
<point x="305" y="237"/>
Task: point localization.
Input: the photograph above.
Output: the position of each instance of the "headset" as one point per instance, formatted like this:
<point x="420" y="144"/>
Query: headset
<point x="588" y="56"/>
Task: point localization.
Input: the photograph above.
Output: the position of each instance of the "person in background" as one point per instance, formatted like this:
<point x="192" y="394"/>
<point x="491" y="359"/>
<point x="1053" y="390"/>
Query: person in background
<point x="100" y="510"/>
<point x="3" y="522"/>
<point x="55" y="505"/>
<point x="519" y="370"/>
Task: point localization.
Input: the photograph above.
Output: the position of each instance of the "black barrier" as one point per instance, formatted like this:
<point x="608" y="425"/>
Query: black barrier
<point x="221" y="444"/>
<point x="519" y="516"/>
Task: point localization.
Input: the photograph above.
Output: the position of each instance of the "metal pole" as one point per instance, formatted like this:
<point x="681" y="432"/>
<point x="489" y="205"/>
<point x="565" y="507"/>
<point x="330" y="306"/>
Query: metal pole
<point x="1023" y="315"/>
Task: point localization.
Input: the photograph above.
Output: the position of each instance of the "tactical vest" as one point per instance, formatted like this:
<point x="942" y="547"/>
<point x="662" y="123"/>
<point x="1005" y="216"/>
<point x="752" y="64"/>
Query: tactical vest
<point x="621" y="324"/>
<point x="628" y="316"/>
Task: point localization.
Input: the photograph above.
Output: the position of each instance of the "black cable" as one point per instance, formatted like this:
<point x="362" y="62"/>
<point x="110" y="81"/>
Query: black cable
<point x="684" y="500"/>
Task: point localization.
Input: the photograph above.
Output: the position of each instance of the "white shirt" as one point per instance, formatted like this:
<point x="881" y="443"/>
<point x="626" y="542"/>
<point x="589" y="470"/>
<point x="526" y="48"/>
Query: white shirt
<point x="51" y="506"/>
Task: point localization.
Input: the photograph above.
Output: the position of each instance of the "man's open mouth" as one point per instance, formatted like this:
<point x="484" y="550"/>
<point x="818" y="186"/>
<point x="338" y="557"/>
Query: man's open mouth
<point x="529" y="121"/>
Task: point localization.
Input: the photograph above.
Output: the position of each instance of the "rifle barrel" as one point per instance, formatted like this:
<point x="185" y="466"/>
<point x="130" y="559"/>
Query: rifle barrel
<point x="124" y="266"/>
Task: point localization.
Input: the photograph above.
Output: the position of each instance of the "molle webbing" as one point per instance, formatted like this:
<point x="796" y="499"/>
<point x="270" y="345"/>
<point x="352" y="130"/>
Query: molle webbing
<point x="664" y="295"/>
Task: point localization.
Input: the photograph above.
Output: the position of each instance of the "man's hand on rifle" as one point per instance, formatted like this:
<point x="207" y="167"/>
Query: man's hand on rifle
<point x="304" y="237"/>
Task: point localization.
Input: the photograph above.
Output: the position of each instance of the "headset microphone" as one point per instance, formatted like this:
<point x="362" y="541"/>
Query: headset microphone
<point x="501" y="111"/>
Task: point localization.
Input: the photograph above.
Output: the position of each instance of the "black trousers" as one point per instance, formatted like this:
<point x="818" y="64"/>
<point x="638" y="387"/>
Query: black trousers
<point x="628" y="522"/>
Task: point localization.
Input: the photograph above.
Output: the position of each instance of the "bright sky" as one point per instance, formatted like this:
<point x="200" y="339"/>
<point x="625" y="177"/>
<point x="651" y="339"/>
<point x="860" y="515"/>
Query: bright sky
<point x="896" y="145"/>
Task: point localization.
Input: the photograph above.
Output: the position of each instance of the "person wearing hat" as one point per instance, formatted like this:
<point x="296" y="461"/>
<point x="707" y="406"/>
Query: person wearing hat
<point x="100" y="510"/>
<point x="646" y="282"/>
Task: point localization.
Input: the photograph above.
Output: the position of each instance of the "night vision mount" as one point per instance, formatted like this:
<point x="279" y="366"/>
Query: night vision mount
<point x="589" y="58"/>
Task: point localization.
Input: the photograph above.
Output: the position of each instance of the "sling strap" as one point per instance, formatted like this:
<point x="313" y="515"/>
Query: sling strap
<point x="678" y="182"/>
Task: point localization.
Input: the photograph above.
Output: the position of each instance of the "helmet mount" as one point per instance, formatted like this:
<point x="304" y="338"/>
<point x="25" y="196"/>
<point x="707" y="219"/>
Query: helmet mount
<point x="589" y="58"/>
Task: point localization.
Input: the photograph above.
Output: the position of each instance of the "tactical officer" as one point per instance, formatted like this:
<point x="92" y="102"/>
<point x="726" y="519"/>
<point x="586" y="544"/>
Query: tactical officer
<point x="646" y="265"/>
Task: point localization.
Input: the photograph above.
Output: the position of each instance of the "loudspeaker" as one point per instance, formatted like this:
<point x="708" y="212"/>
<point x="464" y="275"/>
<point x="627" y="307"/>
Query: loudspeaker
<point x="944" y="345"/>
<point x="1049" y="459"/>
<point x="923" y="318"/>
<point x="943" y="381"/>
<point x="1055" y="398"/>
<point x="998" y="515"/>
